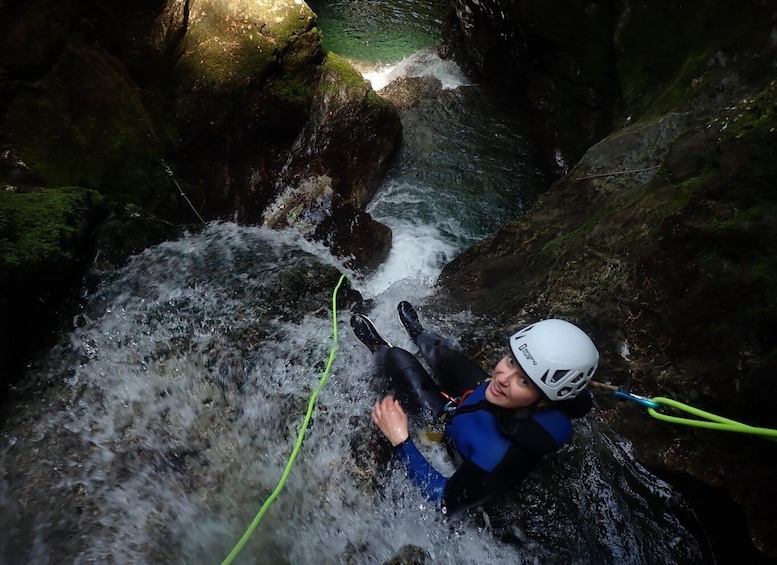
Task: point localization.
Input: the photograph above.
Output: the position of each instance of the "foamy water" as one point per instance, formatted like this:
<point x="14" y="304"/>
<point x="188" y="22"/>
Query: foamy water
<point x="423" y="63"/>
<point x="171" y="425"/>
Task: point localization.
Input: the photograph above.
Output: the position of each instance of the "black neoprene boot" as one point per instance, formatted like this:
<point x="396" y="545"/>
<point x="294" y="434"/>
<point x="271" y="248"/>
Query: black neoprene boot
<point x="364" y="329"/>
<point x="409" y="319"/>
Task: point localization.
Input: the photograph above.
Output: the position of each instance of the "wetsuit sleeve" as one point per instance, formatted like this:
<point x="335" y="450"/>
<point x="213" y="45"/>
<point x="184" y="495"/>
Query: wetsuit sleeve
<point x="421" y="473"/>
<point x="470" y="486"/>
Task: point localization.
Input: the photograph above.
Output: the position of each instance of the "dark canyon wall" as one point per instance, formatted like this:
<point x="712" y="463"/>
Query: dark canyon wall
<point x="659" y="236"/>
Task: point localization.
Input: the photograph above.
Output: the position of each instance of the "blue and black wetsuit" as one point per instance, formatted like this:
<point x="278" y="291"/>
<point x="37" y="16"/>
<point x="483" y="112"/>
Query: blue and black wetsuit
<point x="492" y="459"/>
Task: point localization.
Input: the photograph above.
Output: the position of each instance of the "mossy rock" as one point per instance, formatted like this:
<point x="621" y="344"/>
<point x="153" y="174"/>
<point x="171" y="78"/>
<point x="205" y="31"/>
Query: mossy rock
<point x="671" y="53"/>
<point x="44" y="247"/>
<point x="714" y="255"/>
<point x="43" y="229"/>
<point x="228" y="44"/>
<point x="674" y="277"/>
<point x="351" y="135"/>
<point x="84" y="123"/>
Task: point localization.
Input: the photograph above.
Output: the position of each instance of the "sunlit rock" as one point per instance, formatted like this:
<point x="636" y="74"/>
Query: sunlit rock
<point x="318" y="212"/>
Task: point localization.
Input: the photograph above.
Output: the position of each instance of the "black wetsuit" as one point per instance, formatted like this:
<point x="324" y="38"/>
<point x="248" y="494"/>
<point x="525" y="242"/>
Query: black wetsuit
<point x="491" y="461"/>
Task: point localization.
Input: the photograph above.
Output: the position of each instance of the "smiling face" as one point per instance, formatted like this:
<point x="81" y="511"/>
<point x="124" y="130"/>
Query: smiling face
<point x="510" y="387"/>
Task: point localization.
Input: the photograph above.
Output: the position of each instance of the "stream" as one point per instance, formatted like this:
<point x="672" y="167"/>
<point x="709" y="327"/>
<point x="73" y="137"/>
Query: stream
<point x="162" y="422"/>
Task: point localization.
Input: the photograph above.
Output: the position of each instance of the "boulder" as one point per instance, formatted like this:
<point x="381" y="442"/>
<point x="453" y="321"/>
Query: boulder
<point x="350" y="137"/>
<point x="238" y="96"/>
<point x="314" y="209"/>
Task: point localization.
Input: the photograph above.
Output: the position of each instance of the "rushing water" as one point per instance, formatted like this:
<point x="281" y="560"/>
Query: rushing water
<point x="164" y="420"/>
<point x="167" y="417"/>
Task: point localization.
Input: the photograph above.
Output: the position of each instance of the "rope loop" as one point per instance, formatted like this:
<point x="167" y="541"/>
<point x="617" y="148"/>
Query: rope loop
<point x="707" y="419"/>
<point x="702" y="419"/>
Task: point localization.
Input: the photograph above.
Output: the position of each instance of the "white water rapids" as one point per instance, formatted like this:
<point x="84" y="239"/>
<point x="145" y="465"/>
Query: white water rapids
<point x="164" y="420"/>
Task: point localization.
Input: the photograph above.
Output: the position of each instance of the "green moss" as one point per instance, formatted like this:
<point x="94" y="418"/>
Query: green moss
<point x="340" y="67"/>
<point x="338" y="73"/>
<point x="668" y="51"/>
<point x="244" y="40"/>
<point x="306" y="52"/>
<point x="292" y="90"/>
<point x="42" y="230"/>
<point x="249" y="57"/>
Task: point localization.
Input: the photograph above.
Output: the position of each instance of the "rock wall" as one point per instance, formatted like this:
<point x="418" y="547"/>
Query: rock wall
<point x="190" y="110"/>
<point x="558" y="57"/>
<point x="660" y="240"/>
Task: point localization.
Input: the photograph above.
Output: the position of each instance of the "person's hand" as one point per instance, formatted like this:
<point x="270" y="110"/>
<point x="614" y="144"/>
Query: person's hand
<point x="391" y="419"/>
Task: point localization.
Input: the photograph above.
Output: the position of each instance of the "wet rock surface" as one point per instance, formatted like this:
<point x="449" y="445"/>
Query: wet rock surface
<point x="660" y="243"/>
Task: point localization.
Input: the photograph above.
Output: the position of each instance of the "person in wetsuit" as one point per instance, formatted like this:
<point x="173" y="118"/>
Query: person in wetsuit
<point x="497" y="427"/>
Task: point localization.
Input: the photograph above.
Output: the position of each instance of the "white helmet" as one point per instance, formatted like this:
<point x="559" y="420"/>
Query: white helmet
<point x="557" y="356"/>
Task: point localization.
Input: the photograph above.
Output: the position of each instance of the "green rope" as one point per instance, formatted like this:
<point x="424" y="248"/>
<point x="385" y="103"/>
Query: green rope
<point x="709" y="421"/>
<point x="303" y="428"/>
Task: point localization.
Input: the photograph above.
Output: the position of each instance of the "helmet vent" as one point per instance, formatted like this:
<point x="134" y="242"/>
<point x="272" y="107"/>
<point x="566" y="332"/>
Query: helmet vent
<point x="557" y="376"/>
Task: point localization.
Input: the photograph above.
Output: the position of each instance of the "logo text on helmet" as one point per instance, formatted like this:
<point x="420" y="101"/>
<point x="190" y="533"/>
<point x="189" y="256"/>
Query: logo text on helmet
<point x="525" y="350"/>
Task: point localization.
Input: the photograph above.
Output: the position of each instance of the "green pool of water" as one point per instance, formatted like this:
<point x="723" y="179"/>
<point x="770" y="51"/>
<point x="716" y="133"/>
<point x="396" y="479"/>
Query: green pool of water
<point x="379" y="31"/>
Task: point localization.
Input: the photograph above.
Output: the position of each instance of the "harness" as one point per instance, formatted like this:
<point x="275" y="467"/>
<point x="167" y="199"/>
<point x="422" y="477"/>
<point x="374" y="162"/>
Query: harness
<point x="435" y="431"/>
<point x="454" y="404"/>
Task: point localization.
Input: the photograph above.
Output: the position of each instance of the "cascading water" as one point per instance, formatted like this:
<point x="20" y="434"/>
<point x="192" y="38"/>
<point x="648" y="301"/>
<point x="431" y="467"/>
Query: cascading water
<point x="164" y="420"/>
